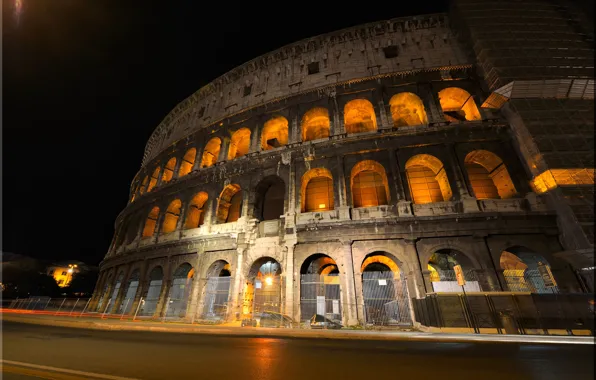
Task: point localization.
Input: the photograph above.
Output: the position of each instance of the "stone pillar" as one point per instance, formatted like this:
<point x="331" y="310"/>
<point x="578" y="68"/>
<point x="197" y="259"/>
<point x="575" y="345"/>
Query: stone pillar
<point x="237" y="288"/>
<point x="160" y="176"/>
<point x="469" y="203"/>
<point x="383" y="114"/>
<point x="255" y="139"/>
<point x="164" y="292"/>
<point x="143" y="284"/>
<point x="352" y="305"/>
<point x="223" y="149"/>
<point x="404" y="207"/>
<point x="182" y="218"/>
<point x="193" y="311"/>
<point x="342" y="201"/>
<point x="294" y="135"/>
<point x="337" y="127"/>
<point x="432" y="104"/>
<point x="415" y="278"/>
<point x="291" y="282"/>
<point x="488" y="276"/>
<point x="200" y="147"/>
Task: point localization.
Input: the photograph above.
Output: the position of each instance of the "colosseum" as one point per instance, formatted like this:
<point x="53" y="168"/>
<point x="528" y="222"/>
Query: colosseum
<point x="349" y="173"/>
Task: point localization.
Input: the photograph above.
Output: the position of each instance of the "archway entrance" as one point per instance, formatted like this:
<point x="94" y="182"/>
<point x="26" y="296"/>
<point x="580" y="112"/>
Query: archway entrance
<point x="114" y="296"/>
<point x="153" y="291"/>
<point x="217" y="291"/>
<point x="319" y="288"/>
<point x="442" y="275"/>
<point x="180" y="291"/>
<point x="263" y="289"/>
<point x="384" y="291"/>
<point x="522" y="271"/>
<point x="104" y="294"/>
<point x="129" y="295"/>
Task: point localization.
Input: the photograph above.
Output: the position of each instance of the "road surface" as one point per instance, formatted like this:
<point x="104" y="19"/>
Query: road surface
<point x="33" y="352"/>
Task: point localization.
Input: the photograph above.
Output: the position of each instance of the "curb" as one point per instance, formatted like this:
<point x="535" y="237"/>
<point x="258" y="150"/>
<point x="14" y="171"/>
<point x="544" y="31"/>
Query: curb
<point x="306" y="334"/>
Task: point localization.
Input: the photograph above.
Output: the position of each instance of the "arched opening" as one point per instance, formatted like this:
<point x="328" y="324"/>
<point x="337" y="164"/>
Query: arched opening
<point x="369" y="184"/>
<point x="427" y="179"/>
<point x="180" y="291"/>
<point x="270" y="197"/>
<point x="143" y="185"/>
<point x="263" y="294"/>
<point x="442" y="275"/>
<point x="115" y="290"/>
<point x="320" y="292"/>
<point x="211" y="152"/>
<point x="488" y="175"/>
<point x="195" y="216"/>
<point x="359" y="116"/>
<point x="384" y="291"/>
<point x="458" y="105"/>
<point x="317" y="190"/>
<point x="170" y="220"/>
<point x="151" y="222"/>
<point x="132" y="285"/>
<point x="229" y="205"/>
<point x="315" y="124"/>
<point x="131" y="229"/>
<point x="105" y="290"/>
<point x="407" y="109"/>
<point x="217" y="291"/>
<point x="525" y="271"/>
<point x="168" y="170"/>
<point x="239" y="143"/>
<point x="151" y="298"/>
<point x="188" y="161"/>
<point x="153" y="180"/>
<point x="274" y="133"/>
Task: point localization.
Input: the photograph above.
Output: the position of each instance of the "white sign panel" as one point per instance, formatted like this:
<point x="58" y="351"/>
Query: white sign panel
<point x="382" y="282"/>
<point x="321" y="305"/>
<point x="335" y="305"/>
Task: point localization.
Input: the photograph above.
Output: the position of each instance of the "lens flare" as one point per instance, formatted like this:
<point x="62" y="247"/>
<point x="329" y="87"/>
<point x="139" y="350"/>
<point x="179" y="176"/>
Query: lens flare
<point x="18" y="9"/>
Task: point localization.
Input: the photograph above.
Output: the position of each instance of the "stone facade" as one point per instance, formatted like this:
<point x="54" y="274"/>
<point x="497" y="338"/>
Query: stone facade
<point x="202" y="208"/>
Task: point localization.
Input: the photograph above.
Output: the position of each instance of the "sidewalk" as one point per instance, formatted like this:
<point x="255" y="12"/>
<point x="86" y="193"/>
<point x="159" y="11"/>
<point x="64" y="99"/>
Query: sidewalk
<point x="231" y="330"/>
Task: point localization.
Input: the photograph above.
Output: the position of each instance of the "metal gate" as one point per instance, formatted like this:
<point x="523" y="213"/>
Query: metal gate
<point x="320" y="294"/>
<point x="268" y="293"/>
<point x="131" y="291"/>
<point x="217" y="296"/>
<point x="178" y="297"/>
<point x="386" y="301"/>
<point x="150" y="306"/>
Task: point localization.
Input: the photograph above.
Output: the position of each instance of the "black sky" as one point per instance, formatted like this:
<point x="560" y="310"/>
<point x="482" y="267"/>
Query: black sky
<point x="85" y="82"/>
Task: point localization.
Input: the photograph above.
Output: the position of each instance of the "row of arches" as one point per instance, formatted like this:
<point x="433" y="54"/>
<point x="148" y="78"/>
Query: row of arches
<point x="426" y="177"/>
<point x="406" y="108"/>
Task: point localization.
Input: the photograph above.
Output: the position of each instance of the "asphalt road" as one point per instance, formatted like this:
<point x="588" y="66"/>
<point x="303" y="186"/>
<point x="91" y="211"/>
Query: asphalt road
<point x="48" y="352"/>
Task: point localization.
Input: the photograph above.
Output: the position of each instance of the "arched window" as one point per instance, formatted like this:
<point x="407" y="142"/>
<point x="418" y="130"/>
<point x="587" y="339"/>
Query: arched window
<point x="488" y="175"/>
<point x="359" y="116"/>
<point x="151" y="221"/>
<point x="239" y="143"/>
<point x="143" y="185"/>
<point x="458" y="105"/>
<point x="171" y="217"/>
<point x="168" y="171"/>
<point x="153" y="180"/>
<point x="521" y="269"/>
<point x="275" y="133"/>
<point x="270" y="197"/>
<point x="211" y="152"/>
<point x="196" y="211"/>
<point x="442" y="275"/>
<point x="315" y="124"/>
<point x="427" y="179"/>
<point x="229" y="207"/>
<point x="407" y="109"/>
<point x="369" y="184"/>
<point x="188" y="162"/>
<point x="317" y="190"/>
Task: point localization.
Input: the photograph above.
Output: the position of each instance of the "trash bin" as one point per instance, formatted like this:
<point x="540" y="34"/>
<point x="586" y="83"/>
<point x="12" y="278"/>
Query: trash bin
<point x="508" y="322"/>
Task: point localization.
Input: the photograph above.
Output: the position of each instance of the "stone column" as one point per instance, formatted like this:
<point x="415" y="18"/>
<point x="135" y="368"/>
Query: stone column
<point x="193" y="311"/>
<point x="223" y="149"/>
<point x="342" y="202"/>
<point x="415" y="278"/>
<point x="488" y="277"/>
<point x="337" y="127"/>
<point x="294" y="135"/>
<point x="200" y="147"/>
<point x="255" y="139"/>
<point x="237" y="288"/>
<point x="469" y="203"/>
<point x="143" y="284"/>
<point x="160" y="176"/>
<point x="291" y="282"/>
<point x="353" y="304"/>
<point x="404" y="207"/>
<point x="432" y="104"/>
<point x="182" y="218"/>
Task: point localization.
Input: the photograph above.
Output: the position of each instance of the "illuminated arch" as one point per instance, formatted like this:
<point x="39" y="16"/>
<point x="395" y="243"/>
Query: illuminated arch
<point x="520" y="269"/>
<point x="239" y="143"/>
<point x="153" y="180"/>
<point x="319" y="263"/>
<point x="458" y="105"/>
<point x="376" y="261"/>
<point x="274" y="133"/>
<point x="143" y="185"/>
<point x="188" y="161"/>
<point x="211" y="152"/>
<point x="359" y="116"/>
<point x="369" y="184"/>
<point x="407" y="109"/>
<point x="315" y="124"/>
<point x="317" y="190"/>
<point x="488" y="175"/>
<point x="229" y="204"/>
<point x="269" y="198"/>
<point x="170" y="220"/>
<point x="168" y="170"/>
<point x="427" y="179"/>
<point x="196" y="212"/>
<point x="151" y="222"/>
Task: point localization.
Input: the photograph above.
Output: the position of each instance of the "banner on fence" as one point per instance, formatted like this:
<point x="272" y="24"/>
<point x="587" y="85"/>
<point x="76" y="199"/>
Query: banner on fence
<point x="547" y="275"/>
<point x="459" y="275"/>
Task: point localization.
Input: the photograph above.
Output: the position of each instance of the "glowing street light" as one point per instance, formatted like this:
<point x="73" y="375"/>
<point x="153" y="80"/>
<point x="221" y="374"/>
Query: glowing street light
<point x="268" y="280"/>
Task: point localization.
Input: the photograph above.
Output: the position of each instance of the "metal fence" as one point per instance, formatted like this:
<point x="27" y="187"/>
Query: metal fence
<point x="319" y="294"/>
<point x="217" y="298"/>
<point x="386" y="300"/>
<point x="58" y="306"/>
<point x="509" y="313"/>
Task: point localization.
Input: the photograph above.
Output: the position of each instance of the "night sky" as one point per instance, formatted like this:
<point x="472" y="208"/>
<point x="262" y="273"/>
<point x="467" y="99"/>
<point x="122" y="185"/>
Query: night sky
<point x="85" y="82"/>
